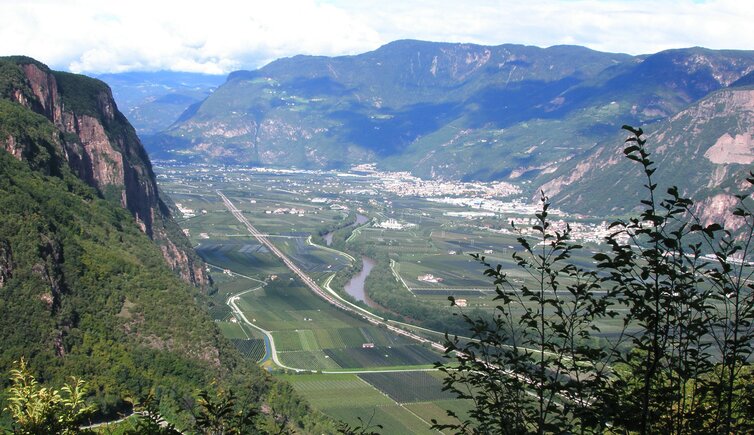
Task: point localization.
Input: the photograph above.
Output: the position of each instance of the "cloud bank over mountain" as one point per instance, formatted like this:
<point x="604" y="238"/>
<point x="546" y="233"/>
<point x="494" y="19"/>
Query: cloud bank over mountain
<point x="225" y="35"/>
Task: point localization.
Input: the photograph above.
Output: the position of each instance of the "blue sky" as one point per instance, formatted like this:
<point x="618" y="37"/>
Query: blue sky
<point x="220" y="36"/>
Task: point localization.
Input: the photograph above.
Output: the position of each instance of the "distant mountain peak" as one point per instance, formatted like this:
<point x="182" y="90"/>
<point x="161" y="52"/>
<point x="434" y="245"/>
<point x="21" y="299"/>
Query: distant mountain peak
<point x="462" y="111"/>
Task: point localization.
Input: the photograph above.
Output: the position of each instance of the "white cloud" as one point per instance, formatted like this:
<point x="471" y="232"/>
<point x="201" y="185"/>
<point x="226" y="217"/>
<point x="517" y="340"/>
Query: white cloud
<point x="222" y="35"/>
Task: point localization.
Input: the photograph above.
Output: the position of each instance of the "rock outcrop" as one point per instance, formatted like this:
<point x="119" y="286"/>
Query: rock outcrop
<point x="101" y="147"/>
<point x="6" y="263"/>
<point x="706" y="150"/>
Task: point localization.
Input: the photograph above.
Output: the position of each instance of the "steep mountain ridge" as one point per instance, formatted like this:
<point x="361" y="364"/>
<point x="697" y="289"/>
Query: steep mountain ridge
<point x="329" y="112"/>
<point x="706" y="150"/>
<point x="84" y="291"/>
<point x="99" y="145"/>
<point x="444" y="110"/>
<point x="661" y="84"/>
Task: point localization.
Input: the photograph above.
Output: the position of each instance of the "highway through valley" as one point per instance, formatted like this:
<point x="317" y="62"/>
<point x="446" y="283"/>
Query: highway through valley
<point x="313" y="286"/>
<point x="367" y="316"/>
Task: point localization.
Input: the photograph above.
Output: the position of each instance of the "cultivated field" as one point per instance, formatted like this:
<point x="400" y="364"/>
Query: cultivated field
<point x="327" y="392"/>
<point x="409" y="387"/>
<point x="431" y="238"/>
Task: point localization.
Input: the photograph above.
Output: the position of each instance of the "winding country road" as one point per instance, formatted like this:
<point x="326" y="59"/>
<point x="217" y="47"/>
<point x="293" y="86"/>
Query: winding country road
<point x="241" y="317"/>
<point x="313" y="286"/>
<point x="336" y="300"/>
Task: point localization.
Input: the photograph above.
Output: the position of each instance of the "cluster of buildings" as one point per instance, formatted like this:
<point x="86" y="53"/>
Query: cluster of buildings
<point x="405" y="184"/>
<point x="580" y="231"/>
<point x="292" y="210"/>
<point x="479" y="199"/>
<point x="515" y="206"/>
<point x="469" y="214"/>
<point x="392" y="224"/>
<point x="185" y="211"/>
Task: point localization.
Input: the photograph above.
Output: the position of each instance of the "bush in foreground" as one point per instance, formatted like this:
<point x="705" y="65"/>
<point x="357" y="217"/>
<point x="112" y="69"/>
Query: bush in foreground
<point x="681" y="363"/>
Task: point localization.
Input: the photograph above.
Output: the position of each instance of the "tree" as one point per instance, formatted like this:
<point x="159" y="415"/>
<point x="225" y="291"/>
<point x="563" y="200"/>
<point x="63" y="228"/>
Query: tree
<point x="150" y="420"/>
<point x="363" y="428"/>
<point x="534" y="367"/>
<point x="40" y="410"/>
<point x="689" y="321"/>
<point x="220" y="415"/>
<point x="680" y="364"/>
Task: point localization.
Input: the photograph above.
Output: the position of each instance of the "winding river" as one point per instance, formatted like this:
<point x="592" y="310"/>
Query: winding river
<point x="360" y="220"/>
<point x="355" y="287"/>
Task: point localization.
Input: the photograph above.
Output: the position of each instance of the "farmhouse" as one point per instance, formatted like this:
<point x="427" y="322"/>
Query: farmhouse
<point x="392" y="224"/>
<point x="429" y="278"/>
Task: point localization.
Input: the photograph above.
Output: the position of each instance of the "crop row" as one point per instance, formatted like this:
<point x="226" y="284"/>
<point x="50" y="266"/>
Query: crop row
<point x="253" y="349"/>
<point x="405" y="387"/>
<point x="381" y="356"/>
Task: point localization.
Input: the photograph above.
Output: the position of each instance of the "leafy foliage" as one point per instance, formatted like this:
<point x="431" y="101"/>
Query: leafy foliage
<point x="149" y="420"/>
<point x="688" y="308"/>
<point x="682" y="362"/>
<point x="81" y="94"/>
<point x="362" y="428"/>
<point x="88" y="294"/>
<point x="223" y="415"/>
<point x="84" y="292"/>
<point x="33" y="135"/>
<point x="40" y="410"/>
<point x="518" y="368"/>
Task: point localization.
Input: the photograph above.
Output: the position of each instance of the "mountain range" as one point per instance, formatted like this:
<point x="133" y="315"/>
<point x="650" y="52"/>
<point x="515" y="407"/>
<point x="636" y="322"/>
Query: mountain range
<point x="152" y="101"/>
<point x="469" y="112"/>
<point x="96" y="278"/>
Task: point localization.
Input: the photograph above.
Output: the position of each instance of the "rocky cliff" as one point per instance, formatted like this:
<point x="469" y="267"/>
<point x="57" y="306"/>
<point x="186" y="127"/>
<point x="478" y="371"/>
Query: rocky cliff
<point x="706" y="150"/>
<point x="100" y="146"/>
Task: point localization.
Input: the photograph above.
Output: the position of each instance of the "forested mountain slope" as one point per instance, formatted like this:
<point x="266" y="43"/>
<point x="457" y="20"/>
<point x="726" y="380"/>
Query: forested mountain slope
<point x="97" y="143"/>
<point x="705" y="149"/>
<point x="84" y="291"/>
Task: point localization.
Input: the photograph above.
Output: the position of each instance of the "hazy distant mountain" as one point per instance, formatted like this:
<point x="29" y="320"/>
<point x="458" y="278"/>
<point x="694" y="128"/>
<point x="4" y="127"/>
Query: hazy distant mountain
<point x="328" y="112"/>
<point x="446" y="110"/>
<point x="153" y="101"/>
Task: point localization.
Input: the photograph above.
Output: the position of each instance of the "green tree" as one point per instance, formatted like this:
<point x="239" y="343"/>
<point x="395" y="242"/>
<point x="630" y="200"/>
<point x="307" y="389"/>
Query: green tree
<point x="534" y="367"/>
<point x="40" y="410"/>
<point x="149" y="420"/>
<point x="689" y="321"/>
<point x="682" y="362"/>
<point x="363" y="428"/>
<point x="222" y="414"/>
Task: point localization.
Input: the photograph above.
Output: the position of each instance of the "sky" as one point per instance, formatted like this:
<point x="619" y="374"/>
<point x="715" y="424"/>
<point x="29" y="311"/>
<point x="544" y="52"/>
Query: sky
<point x="219" y="36"/>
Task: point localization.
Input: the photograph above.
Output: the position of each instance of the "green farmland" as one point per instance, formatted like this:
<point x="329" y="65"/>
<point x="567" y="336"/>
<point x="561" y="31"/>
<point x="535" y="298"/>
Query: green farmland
<point x="334" y="354"/>
<point x="369" y="401"/>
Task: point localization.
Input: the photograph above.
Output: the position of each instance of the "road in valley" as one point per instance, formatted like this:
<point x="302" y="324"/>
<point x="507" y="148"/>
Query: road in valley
<point x="343" y="305"/>
<point x="313" y="286"/>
